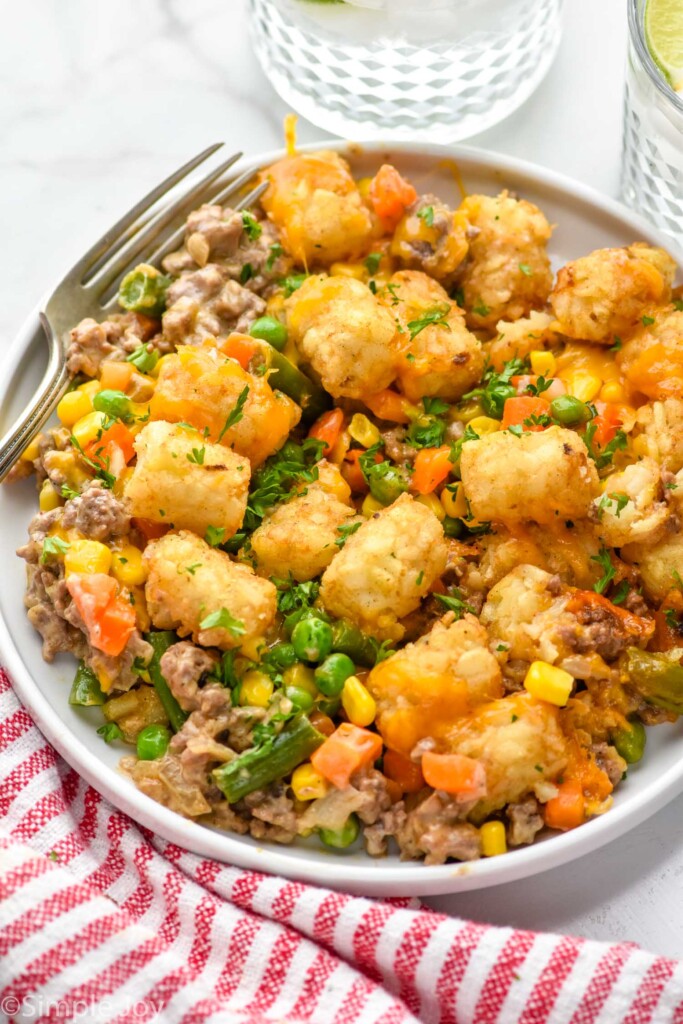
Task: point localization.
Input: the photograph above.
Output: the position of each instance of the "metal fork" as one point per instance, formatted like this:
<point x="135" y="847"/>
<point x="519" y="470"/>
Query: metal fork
<point x="90" y="287"/>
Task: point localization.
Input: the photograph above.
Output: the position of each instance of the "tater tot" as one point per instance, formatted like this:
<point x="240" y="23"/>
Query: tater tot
<point x="431" y="237"/>
<point x="340" y="328"/>
<point x="507" y="272"/>
<point x="182" y="480"/>
<point x="202" y="387"/>
<point x="652" y="357"/>
<point x="544" y="476"/>
<point x="189" y="581"/>
<point x="300" y="536"/>
<point x="386" y="568"/>
<point x="443" y="359"/>
<point x="657" y="564"/>
<point x="520" y="744"/>
<point x="605" y="293"/>
<point x="631" y="508"/>
<point x="423" y="688"/>
<point x="316" y="205"/>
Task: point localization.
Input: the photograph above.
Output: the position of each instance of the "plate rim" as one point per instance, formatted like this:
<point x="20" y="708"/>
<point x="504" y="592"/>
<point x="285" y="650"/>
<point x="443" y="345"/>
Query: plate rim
<point x="374" y="877"/>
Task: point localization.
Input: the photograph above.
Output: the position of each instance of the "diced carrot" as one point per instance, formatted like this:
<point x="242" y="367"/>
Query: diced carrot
<point x="108" y="617"/>
<point x="462" y="776"/>
<point x="640" y="628"/>
<point x="117" y="434"/>
<point x="517" y="410"/>
<point x="523" y="382"/>
<point x="148" y="529"/>
<point x="352" y="473"/>
<point x="567" y="809"/>
<point x="431" y="468"/>
<point x="116" y="376"/>
<point x="404" y="772"/>
<point x="344" y="752"/>
<point x="390" y="193"/>
<point x="327" y="428"/>
<point x="240" y="348"/>
<point x="388" y="405"/>
<point x="665" y="636"/>
<point x="607" y="422"/>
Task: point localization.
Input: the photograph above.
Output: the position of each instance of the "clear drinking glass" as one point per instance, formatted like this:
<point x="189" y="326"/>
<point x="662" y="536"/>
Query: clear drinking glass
<point x="437" y="70"/>
<point x="652" y="163"/>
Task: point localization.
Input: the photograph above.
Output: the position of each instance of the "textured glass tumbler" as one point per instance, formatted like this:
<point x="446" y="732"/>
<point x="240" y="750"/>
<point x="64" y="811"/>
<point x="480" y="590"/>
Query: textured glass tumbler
<point x="652" y="164"/>
<point x="436" y="70"/>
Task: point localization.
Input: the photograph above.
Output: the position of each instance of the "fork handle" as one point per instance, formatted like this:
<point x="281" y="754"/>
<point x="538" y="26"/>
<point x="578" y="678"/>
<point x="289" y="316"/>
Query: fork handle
<point x="53" y="385"/>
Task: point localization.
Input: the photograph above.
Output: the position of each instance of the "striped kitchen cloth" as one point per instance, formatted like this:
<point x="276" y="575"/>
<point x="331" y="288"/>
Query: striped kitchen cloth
<point x="102" y="921"/>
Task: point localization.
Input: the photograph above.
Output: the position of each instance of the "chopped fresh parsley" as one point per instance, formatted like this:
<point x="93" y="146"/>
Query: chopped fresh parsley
<point x="526" y="269"/>
<point x="292" y="596"/>
<point x="197" y="455"/>
<point x="372" y="262"/>
<point x="542" y="384"/>
<point x="237" y="413"/>
<point x="647" y="321"/>
<point x="604" y="457"/>
<point x="497" y="387"/>
<point x="435" y="406"/>
<point x="426" y="214"/>
<point x="101" y="471"/>
<point x="428" y="431"/>
<point x="222" y="619"/>
<point x="671" y="618"/>
<point x="68" y="492"/>
<point x="193" y="568"/>
<point x="678" y="305"/>
<point x="480" y="308"/>
<point x="274" y="481"/>
<point x="393" y="289"/>
<point x="617" y="498"/>
<point x="53" y="546"/>
<point x="433" y="317"/>
<point x="676" y="576"/>
<point x="276" y="251"/>
<point x="252" y="228"/>
<point x="293" y="283"/>
<point x="418" y="579"/>
<point x="110" y="731"/>
<point x="456" y="448"/>
<point x="246" y="273"/>
<point x="214" y="535"/>
<point x="346" y="531"/>
<point x="537" y="421"/>
<point x="608" y="571"/>
<point x="455" y="603"/>
<point x="459" y="296"/>
<point x="617" y="344"/>
<point x="621" y="593"/>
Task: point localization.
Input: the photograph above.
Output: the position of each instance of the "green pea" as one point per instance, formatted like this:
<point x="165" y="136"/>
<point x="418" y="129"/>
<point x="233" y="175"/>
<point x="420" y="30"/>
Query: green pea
<point x="387" y="482"/>
<point x="300" y="698"/>
<point x="152" y="742"/>
<point x="281" y="656"/>
<point x="630" y="743"/>
<point x="569" y="410"/>
<point x="329" y="707"/>
<point x="114" y="404"/>
<point x="269" y="329"/>
<point x="453" y="527"/>
<point x="340" y="838"/>
<point x="312" y="639"/>
<point x="333" y="673"/>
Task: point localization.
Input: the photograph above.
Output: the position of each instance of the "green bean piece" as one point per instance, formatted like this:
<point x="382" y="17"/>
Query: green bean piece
<point x="453" y="527"/>
<point x="143" y="290"/>
<point x="656" y="678"/>
<point x="152" y="742"/>
<point x="85" y="689"/>
<point x="161" y="642"/>
<point x="333" y="673"/>
<point x="340" y="838"/>
<point x="288" y="378"/>
<point x="387" y="482"/>
<point x="630" y="742"/>
<point x="115" y="404"/>
<point x="312" y="638"/>
<point x="350" y="640"/>
<point x="270" y="329"/>
<point x="262" y="765"/>
<point x="569" y="410"/>
<point x="303" y="613"/>
<point x="281" y="656"/>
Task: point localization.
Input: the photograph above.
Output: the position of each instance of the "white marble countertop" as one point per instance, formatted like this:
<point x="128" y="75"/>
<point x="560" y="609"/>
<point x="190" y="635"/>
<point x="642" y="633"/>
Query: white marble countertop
<point x="100" y="100"/>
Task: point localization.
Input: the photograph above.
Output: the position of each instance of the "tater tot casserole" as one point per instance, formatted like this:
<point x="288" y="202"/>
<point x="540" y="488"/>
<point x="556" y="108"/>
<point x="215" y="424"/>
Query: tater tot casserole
<point x="363" y="525"/>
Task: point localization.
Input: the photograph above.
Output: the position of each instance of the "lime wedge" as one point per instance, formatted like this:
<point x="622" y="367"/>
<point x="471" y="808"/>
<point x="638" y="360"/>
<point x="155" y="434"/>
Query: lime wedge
<point x="664" y="37"/>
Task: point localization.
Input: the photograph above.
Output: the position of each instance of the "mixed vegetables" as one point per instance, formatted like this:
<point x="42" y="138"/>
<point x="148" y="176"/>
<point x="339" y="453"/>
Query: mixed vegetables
<point x="359" y="522"/>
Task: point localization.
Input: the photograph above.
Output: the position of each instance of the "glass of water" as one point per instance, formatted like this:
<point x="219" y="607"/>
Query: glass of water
<point x="438" y="70"/>
<point x="652" y="164"/>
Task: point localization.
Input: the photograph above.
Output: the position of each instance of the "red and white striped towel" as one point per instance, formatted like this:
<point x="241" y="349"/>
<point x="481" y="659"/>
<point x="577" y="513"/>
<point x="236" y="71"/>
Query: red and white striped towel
<point x="100" y="920"/>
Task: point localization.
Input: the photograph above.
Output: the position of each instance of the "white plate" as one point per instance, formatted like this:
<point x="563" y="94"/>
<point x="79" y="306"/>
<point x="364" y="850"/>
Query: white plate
<point x="584" y="221"/>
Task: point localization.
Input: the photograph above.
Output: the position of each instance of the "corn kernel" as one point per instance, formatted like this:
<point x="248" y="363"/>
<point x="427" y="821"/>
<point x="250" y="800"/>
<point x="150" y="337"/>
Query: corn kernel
<point x="357" y="702"/>
<point x="87" y="556"/>
<point x="485" y="425"/>
<point x="340" y="448"/>
<point x="307" y="783"/>
<point x="371" y="505"/>
<point x="363" y="431"/>
<point x="302" y="677"/>
<point x="256" y="689"/>
<point x="612" y="391"/>
<point x="641" y="445"/>
<point x="493" y="841"/>
<point x="73" y="407"/>
<point x="90" y="388"/>
<point x="252" y="647"/>
<point x="33" y="450"/>
<point x="549" y="683"/>
<point x="364" y="186"/>
<point x="139" y="602"/>
<point x="433" y="503"/>
<point x="128" y="567"/>
<point x="454" y="502"/>
<point x="48" y="499"/>
<point x="468" y="411"/>
<point x="89" y="428"/>
<point x="585" y="386"/>
<point x="356" y="270"/>
<point x="542" y="363"/>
